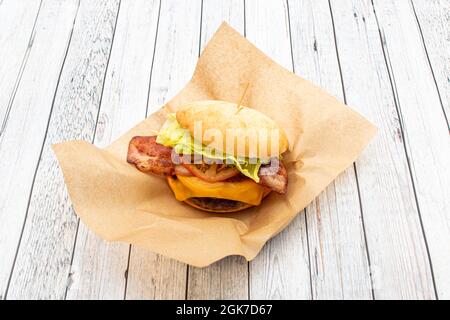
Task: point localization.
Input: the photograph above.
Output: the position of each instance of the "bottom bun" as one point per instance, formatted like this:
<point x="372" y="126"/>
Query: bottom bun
<point x="219" y="205"/>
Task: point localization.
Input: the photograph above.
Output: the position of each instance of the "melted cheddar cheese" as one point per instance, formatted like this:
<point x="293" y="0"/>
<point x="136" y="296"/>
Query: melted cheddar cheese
<point x="246" y="191"/>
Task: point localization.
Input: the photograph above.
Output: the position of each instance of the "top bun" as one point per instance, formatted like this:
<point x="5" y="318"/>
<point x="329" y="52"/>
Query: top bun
<point x="252" y="131"/>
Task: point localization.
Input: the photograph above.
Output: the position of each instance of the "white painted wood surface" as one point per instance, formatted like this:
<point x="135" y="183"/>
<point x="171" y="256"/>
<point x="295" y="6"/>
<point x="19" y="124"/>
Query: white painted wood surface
<point x="433" y="17"/>
<point x="397" y="251"/>
<point x="24" y="132"/>
<point x="99" y="268"/>
<point x="337" y="248"/>
<point x="425" y="130"/>
<point x="92" y="69"/>
<point x="17" y="20"/>
<point x="45" y="252"/>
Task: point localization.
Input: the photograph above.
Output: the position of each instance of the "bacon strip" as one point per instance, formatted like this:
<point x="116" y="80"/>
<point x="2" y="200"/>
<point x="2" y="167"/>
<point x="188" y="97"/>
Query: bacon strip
<point x="149" y="156"/>
<point x="274" y="176"/>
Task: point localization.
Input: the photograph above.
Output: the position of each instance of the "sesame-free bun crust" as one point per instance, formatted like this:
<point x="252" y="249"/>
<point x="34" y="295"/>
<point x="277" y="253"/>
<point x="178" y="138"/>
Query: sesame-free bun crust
<point x="221" y="115"/>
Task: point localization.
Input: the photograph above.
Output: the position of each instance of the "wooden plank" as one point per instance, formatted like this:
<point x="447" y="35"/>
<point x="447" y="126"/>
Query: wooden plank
<point x="45" y="252"/>
<point x="217" y="11"/>
<point x="21" y="140"/>
<point x="99" y="268"/>
<point x="17" y="20"/>
<point x="176" y="50"/>
<point x="425" y="130"/>
<point x="227" y="278"/>
<point x="397" y="250"/>
<point x="337" y="249"/>
<point x="152" y="276"/>
<point x="281" y="270"/>
<point x="433" y="17"/>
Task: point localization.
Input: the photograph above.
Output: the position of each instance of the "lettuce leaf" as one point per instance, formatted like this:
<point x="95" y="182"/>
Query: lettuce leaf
<point x="173" y="135"/>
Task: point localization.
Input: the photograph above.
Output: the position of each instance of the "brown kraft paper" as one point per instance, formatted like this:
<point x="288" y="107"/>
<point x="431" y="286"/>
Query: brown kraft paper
<point x="120" y="203"/>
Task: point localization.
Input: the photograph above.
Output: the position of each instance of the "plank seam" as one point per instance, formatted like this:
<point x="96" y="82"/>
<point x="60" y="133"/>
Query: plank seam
<point x="186" y="292"/>
<point x="153" y="59"/>
<point x="290" y="35"/>
<point x="21" y="70"/>
<point x="429" y="61"/>
<point x="245" y="21"/>
<point x="201" y="23"/>
<point x="41" y="151"/>
<point x="390" y="72"/>
<point x="248" y="280"/>
<point x="146" y="112"/>
<point x="69" y="276"/>
<point x="126" y="273"/>
<point x="364" y="233"/>
<point x="92" y="141"/>
<point x="304" y="210"/>
<point x="311" y="291"/>
<point x="354" y="165"/>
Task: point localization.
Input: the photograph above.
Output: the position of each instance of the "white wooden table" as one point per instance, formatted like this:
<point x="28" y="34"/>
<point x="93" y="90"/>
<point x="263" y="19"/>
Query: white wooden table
<point x="92" y="69"/>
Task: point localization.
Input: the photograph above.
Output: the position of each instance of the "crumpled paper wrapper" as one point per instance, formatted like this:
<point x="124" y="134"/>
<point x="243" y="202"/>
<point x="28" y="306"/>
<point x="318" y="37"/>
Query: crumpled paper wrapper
<point x="119" y="203"/>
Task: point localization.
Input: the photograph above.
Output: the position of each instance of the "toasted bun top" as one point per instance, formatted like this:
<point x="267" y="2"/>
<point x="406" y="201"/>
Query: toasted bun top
<point x="245" y="132"/>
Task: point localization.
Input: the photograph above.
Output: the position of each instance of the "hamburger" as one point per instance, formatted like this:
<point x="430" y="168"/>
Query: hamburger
<point x="216" y="156"/>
